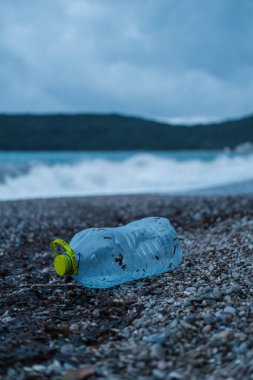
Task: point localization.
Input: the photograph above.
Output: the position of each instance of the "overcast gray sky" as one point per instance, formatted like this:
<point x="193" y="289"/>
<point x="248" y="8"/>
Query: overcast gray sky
<point x="169" y="59"/>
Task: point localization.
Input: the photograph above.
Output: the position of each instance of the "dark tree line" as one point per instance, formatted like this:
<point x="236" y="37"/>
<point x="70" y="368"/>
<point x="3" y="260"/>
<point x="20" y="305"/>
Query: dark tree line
<point x="116" y="132"/>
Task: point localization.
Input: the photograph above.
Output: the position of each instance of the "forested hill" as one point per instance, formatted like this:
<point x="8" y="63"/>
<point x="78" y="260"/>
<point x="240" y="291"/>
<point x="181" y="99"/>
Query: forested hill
<point x="116" y="132"/>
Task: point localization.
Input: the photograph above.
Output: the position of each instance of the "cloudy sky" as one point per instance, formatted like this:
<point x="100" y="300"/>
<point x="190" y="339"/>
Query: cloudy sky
<point x="168" y="59"/>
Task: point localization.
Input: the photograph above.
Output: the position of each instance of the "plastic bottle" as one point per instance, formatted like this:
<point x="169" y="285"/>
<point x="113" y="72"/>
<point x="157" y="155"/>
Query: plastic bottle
<point x="105" y="257"/>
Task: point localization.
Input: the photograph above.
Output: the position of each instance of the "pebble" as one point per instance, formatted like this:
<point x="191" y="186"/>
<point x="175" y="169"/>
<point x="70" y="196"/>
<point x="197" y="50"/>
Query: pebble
<point x="175" y="375"/>
<point x="67" y="349"/>
<point x="229" y="310"/>
<point x="39" y="367"/>
<point x="220" y="338"/>
<point x="54" y="367"/>
<point x="74" y="327"/>
<point x="162" y="365"/>
<point x="190" y="290"/>
<point x="194" y="321"/>
<point x="155" y="338"/>
<point x="11" y="373"/>
<point x="157" y="351"/>
<point x="206" y="329"/>
<point x="159" y="374"/>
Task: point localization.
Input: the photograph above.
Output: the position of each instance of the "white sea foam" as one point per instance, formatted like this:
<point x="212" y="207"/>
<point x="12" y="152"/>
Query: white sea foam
<point x="141" y="173"/>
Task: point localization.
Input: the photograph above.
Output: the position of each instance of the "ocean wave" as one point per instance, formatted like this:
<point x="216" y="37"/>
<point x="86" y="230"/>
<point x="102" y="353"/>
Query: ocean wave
<point x="140" y="173"/>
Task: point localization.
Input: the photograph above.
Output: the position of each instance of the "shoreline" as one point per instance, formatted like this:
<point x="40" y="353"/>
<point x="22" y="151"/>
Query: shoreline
<point x="188" y="324"/>
<point x="210" y="192"/>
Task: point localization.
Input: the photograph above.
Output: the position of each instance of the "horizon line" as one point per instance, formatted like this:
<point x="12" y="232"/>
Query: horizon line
<point x="176" y="120"/>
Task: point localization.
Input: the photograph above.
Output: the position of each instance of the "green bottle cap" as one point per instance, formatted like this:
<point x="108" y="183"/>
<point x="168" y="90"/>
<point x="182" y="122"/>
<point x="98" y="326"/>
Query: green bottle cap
<point x="64" y="263"/>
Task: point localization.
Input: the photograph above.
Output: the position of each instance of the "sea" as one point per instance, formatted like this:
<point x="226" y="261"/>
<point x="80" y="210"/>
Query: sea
<point x="25" y="175"/>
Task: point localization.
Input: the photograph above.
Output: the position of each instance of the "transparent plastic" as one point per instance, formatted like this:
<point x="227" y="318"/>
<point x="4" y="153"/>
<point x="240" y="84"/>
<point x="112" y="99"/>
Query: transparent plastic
<point x="111" y="256"/>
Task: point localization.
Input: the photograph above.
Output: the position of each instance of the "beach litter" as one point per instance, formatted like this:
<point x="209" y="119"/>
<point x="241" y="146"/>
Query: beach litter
<point x="105" y="257"/>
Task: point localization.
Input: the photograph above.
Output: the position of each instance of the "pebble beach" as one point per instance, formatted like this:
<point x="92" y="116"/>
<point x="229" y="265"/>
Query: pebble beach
<point x="193" y="323"/>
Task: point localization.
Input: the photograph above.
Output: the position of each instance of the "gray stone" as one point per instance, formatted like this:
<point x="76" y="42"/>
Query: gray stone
<point x="155" y="338"/>
<point x="159" y="374"/>
<point x="39" y="368"/>
<point x="220" y="338"/>
<point x="229" y="310"/>
<point x="54" y="367"/>
<point x="67" y="349"/>
<point x="157" y="351"/>
<point x="175" y="375"/>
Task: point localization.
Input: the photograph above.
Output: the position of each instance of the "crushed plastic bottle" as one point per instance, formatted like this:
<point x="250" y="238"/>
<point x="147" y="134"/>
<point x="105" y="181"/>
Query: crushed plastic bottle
<point x="105" y="257"/>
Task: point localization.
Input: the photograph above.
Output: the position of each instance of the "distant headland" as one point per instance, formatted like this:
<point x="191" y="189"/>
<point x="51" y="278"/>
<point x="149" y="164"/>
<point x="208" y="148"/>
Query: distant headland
<point x="117" y="132"/>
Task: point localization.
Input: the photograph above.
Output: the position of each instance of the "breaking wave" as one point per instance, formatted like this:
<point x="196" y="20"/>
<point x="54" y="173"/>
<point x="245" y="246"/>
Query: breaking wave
<point x="139" y="173"/>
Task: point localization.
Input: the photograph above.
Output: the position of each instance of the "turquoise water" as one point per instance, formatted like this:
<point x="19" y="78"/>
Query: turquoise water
<point x="18" y="158"/>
